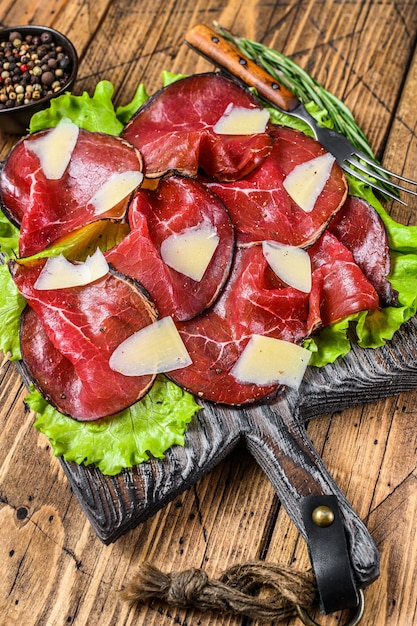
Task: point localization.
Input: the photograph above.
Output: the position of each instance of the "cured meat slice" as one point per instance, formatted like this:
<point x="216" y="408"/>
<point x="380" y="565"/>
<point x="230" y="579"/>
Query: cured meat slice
<point x="359" y="227"/>
<point x="174" y="130"/>
<point x="253" y="302"/>
<point x="261" y="208"/>
<point x="46" y="209"/>
<point x="339" y="286"/>
<point x="178" y="204"/>
<point x="68" y="335"/>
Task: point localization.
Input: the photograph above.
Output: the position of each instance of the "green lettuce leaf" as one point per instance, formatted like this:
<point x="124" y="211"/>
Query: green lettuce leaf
<point x="125" y="112"/>
<point x="94" y="113"/>
<point x="9" y="237"/>
<point x="146" y="430"/>
<point x="330" y="344"/>
<point x="169" y="77"/>
<point x="11" y="307"/>
<point x="374" y="328"/>
<point x="84" y="241"/>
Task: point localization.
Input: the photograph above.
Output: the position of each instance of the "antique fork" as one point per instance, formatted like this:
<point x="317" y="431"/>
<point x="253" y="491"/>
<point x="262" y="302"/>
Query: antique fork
<point x="226" y="56"/>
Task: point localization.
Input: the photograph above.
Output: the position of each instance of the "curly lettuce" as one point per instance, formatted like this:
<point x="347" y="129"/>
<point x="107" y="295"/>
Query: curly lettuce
<point x="11" y="307"/>
<point x="95" y="113"/>
<point x="145" y="430"/>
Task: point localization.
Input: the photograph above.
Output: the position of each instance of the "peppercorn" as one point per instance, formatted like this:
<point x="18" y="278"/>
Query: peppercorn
<point x="31" y="68"/>
<point x="46" y="37"/>
<point x="47" y="78"/>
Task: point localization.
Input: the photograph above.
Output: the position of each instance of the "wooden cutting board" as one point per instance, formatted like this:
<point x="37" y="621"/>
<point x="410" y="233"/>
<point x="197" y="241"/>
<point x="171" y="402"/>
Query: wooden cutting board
<point x="274" y="434"/>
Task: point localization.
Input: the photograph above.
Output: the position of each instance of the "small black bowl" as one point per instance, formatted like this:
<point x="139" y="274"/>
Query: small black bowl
<point x="16" y="120"/>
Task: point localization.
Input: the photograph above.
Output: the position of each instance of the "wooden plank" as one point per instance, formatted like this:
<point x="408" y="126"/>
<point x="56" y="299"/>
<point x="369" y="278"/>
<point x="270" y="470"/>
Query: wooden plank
<point x="231" y="514"/>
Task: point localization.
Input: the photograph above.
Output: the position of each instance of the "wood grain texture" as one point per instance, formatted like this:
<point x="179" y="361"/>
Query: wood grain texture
<point x="55" y="570"/>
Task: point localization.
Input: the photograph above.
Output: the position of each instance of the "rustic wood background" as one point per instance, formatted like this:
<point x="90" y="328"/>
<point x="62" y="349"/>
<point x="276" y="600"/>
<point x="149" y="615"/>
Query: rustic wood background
<point x="54" y="569"/>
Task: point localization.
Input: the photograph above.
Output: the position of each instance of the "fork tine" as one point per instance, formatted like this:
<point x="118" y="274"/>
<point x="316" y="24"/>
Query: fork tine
<point x="380" y="188"/>
<point x="383" y="179"/>
<point x="379" y="168"/>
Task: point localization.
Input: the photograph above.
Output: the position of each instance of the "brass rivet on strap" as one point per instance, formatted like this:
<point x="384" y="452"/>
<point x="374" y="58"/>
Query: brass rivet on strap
<point x="355" y="619"/>
<point x="322" y="516"/>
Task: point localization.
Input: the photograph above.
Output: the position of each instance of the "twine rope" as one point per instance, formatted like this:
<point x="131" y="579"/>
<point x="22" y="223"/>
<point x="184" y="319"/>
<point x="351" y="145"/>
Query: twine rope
<point x="258" y="590"/>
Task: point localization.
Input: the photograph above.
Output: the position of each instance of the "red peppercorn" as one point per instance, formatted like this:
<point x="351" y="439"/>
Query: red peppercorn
<point x="23" y="68"/>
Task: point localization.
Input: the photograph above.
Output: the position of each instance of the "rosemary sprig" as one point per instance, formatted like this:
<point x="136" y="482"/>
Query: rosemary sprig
<point x="305" y="88"/>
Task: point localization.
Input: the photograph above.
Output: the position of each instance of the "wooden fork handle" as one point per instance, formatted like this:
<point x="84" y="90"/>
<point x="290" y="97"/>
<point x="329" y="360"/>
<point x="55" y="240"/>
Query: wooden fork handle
<point x="226" y="56"/>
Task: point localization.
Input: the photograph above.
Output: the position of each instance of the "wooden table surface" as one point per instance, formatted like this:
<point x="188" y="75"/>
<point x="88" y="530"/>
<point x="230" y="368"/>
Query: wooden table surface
<point x="54" y="570"/>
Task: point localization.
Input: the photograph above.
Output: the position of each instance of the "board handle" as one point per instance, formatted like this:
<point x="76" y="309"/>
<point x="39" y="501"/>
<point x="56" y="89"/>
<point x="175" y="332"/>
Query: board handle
<point x="226" y="56"/>
<point x="278" y="441"/>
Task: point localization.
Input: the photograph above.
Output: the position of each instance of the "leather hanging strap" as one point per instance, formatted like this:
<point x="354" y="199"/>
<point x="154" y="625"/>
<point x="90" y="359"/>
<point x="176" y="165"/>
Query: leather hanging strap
<point x="329" y="553"/>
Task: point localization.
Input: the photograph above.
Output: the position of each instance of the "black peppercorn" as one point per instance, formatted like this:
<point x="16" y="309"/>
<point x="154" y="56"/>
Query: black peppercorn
<point x="46" y="37"/>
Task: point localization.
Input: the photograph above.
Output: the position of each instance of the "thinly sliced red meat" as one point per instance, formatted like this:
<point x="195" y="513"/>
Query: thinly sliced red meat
<point x="261" y="208"/>
<point x="176" y="205"/>
<point x="47" y="209"/>
<point x="359" y="227"/>
<point x="174" y="130"/>
<point x="340" y="288"/>
<point x="252" y="303"/>
<point x="68" y="335"/>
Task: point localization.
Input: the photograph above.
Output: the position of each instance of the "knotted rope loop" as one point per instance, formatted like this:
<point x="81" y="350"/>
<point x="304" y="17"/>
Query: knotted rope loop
<point x="186" y="587"/>
<point x="257" y="590"/>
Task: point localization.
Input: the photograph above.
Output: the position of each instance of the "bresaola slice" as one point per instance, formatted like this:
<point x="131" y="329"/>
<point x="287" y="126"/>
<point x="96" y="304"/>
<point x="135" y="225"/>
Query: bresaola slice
<point x="174" y="130"/>
<point x="68" y="336"/>
<point x="177" y="205"/>
<point x="359" y="227"/>
<point x="45" y="208"/>
<point x="339" y="286"/>
<point x="261" y="208"/>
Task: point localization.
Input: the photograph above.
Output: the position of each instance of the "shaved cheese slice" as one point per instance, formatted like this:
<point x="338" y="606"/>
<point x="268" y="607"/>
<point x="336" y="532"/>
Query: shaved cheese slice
<point x="237" y="120"/>
<point x="292" y="265"/>
<point x="266" y="361"/>
<point x="114" y="190"/>
<point x="154" y="349"/>
<point x="59" y="273"/>
<point x="54" y="149"/>
<point x="191" y="250"/>
<point x="307" y="180"/>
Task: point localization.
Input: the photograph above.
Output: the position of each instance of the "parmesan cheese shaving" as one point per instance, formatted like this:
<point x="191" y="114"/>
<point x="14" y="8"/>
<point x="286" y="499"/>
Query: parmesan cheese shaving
<point x="191" y="250"/>
<point x="237" y="120"/>
<point x="154" y="349"/>
<point x="114" y="190"/>
<point x="267" y="361"/>
<point x="54" y="149"/>
<point x="291" y="264"/>
<point x="59" y="273"/>
<point x="306" y="181"/>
